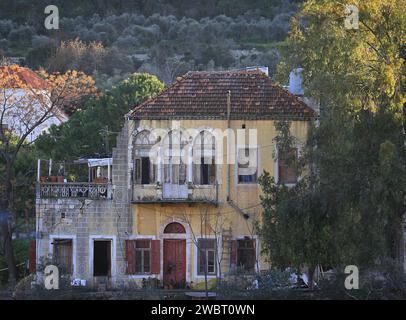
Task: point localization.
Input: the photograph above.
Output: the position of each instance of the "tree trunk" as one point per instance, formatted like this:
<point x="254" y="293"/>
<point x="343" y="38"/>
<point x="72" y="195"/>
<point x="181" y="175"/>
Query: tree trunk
<point x="5" y="207"/>
<point x="400" y="244"/>
<point x="311" y="276"/>
<point x="9" y="253"/>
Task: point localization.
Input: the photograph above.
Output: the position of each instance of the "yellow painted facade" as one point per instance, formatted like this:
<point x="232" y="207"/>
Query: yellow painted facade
<point x="206" y="219"/>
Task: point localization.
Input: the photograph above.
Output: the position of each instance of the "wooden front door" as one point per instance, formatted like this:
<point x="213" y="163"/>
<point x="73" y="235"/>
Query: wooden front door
<point x="174" y="266"/>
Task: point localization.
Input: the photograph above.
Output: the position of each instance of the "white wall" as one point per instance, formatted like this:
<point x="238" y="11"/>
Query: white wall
<point x="18" y="119"/>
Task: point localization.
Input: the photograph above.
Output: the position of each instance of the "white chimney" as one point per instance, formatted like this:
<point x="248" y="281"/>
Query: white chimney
<point x="295" y="82"/>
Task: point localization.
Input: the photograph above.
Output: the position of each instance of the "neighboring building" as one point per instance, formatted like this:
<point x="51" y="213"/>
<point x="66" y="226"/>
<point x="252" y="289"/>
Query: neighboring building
<point x="175" y="220"/>
<point x="16" y="120"/>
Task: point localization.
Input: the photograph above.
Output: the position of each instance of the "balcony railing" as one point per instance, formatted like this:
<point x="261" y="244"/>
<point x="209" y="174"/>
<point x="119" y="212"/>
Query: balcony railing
<point x="168" y="193"/>
<point x="87" y="190"/>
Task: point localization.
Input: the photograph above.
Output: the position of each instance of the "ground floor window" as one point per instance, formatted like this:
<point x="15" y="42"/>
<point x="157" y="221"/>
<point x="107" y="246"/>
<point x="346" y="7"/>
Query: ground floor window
<point x="246" y="255"/>
<point x="138" y="256"/>
<point x="62" y="254"/>
<point x="142" y="256"/>
<point x="206" y="256"/>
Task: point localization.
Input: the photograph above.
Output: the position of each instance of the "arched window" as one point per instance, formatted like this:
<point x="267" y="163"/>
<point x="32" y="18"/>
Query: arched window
<point x="173" y="155"/>
<point x="174" y="227"/>
<point x="144" y="138"/>
<point x="144" y="169"/>
<point x="204" y="152"/>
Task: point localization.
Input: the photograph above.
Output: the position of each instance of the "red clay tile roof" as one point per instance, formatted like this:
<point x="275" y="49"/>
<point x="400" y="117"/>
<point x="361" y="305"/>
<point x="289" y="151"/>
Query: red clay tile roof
<point x="26" y="76"/>
<point x="203" y="95"/>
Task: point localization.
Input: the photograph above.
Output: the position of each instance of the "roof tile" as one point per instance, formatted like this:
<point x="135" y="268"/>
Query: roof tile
<point x="198" y="95"/>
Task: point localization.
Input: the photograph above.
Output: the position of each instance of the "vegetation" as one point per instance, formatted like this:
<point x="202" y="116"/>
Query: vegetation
<point x="92" y="131"/>
<point x="349" y="206"/>
<point x="159" y="37"/>
<point x="22" y="114"/>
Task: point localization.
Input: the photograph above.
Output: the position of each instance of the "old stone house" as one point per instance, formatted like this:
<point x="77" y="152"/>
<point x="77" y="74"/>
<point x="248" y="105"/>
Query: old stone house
<point x="183" y="196"/>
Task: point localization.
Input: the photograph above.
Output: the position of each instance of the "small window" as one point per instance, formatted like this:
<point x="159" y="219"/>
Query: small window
<point x="206" y="256"/>
<point x="286" y="166"/>
<point x="247" y="165"/>
<point x="144" y="171"/>
<point x="142" y="256"/>
<point x="246" y="255"/>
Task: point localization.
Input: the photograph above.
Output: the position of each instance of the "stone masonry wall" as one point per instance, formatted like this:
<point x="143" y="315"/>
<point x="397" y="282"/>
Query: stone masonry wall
<point x="85" y="219"/>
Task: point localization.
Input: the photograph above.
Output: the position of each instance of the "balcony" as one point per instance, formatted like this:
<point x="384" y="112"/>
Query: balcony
<point x="53" y="179"/>
<point x="88" y="190"/>
<point x="172" y="193"/>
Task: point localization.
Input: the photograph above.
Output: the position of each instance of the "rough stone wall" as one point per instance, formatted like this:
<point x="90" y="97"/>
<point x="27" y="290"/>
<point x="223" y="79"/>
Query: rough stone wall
<point x="86" y="218"/>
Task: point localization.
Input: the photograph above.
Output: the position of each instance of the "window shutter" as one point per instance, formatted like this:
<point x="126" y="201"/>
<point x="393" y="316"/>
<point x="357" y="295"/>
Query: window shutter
<point x="233" y="253"/>
<point x="155" y="257"/>
<point x="287" y="173"/>
<point x="129" y="254"/>
<point x="32" y="256"/>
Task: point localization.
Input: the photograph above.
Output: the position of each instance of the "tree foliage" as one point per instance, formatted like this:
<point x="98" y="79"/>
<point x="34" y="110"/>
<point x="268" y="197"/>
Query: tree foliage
<point x="160" y="37"/>
<point x="93" y="130"/>
<point x="348" y="208"/>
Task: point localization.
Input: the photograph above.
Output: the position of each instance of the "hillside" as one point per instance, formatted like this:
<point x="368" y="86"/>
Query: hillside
<point x="165" y="38"/>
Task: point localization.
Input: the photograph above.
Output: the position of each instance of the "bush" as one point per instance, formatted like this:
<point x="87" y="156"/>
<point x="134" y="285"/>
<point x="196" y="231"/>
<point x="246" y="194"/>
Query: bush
<point x="21" y="247"/>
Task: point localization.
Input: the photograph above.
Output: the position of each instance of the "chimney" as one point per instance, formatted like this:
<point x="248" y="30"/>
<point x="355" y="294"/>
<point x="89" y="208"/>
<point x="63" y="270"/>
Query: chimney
<point x="296" y="81"/>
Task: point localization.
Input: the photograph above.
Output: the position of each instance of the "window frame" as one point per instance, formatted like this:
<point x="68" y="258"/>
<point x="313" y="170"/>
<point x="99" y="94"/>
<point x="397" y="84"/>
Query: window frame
<point x="254" y="249"/>
<point x="201" y="167"/>
<point x="206" y="251"/>
<point x="143" y="143"/>
<point x="251" y="183"/>
<point x="278" y="168"/>
<point x="138" y="169"/>
<point x="142" y="251"/>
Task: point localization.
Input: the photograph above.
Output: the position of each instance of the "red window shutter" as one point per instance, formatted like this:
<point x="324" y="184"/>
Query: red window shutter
<point x="287" y="173"/>
<point x="155" y="256"/>
<point x="233" y="253"/>
<point x="32" y="256"/>
<point x="129" y="254"/>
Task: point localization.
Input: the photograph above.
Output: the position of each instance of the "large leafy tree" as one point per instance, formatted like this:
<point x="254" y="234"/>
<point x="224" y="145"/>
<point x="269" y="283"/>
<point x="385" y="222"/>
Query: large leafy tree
<point x="93" y="130"/>
<point x="25" y="106"/>
<point x="349" y="206"/>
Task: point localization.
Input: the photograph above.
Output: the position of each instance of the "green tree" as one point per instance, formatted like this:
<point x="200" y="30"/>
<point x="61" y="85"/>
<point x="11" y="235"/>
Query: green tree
<point x="348" y="208"/>
<point x="93" y="130"/>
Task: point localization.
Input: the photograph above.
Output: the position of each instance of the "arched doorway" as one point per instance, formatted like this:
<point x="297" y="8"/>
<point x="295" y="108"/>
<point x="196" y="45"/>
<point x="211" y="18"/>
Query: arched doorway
<point x="174" y="263"/>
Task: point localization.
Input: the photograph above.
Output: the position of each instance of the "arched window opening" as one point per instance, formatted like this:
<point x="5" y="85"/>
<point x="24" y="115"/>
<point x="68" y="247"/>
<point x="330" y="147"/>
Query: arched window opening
<point x="174" y="167"/>
<point x="145" y="171"/>
<point x="174" y="227"/>
<point x="204" y="166"/>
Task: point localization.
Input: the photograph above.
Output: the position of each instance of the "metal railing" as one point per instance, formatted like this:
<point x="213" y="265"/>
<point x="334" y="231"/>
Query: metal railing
<point x="88" y="190"/>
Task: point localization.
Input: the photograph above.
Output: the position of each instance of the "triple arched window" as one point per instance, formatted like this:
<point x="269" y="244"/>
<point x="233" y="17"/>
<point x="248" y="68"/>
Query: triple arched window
<point x="182" y="159"/>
